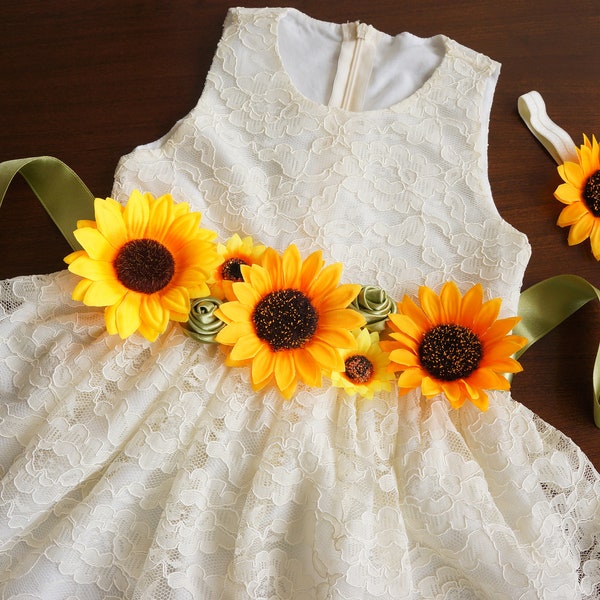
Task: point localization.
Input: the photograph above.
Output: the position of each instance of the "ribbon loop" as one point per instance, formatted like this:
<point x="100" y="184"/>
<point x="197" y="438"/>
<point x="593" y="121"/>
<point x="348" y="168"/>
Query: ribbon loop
<point x="556" y="140"/>
<point x="545" y="305"/>
<point x="61" y="192"/>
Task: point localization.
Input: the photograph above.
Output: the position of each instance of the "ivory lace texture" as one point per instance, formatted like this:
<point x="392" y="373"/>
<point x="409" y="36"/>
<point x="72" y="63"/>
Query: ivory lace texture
<point x="134" y="470"/>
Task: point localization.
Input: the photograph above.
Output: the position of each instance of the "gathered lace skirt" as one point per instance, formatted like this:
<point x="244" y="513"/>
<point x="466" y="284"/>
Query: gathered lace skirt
<point x="138" y="470"/>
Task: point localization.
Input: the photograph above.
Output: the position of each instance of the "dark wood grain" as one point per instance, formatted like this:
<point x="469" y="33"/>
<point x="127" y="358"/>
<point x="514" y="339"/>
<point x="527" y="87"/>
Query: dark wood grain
<point x="87" y="82"/>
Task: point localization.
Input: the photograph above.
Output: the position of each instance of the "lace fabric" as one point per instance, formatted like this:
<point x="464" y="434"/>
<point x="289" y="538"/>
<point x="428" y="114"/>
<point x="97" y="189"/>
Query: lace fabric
<point x="138" y="470"/>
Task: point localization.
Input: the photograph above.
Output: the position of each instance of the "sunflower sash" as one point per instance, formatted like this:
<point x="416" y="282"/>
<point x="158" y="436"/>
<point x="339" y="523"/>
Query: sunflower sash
<point x="65" y="197"/>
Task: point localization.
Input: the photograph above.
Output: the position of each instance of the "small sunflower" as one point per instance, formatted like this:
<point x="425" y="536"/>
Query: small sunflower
<point x="581" y="194"/>
<point x="235" y="253"/>
<point x="453" y="344"/>
<point x="365" y="367"/>
<point x="143" y="262"/>
<point x="288" y="320"/>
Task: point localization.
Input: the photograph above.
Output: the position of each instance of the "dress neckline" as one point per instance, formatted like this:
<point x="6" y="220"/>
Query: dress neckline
<point x="396" y="107"/>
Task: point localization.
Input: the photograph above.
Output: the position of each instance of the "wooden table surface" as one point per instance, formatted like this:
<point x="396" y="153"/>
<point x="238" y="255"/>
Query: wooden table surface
<point x="88" y="81"/>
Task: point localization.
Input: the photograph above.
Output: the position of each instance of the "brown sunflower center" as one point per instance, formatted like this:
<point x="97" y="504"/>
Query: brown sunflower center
<point x="144" y="266"/>
<point x="591" y="193"/>
<point x="231" y="269"/>
<point x="285" y="319"/>
<point x="359" y="369"/>
<point x="449" y="352"/>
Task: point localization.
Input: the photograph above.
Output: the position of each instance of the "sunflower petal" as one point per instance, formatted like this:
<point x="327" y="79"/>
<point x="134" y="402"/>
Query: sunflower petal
<point x="567" y="193"/>
<point x="326" y="281"/>
<point x="263" y="366"/>
<point x="109" y="219"/>
<point x="136" y="214"/>
<point x="404" y="358"/>
<point x="336" y="337"/>
<point x="450" y="298"/>
<point x="310" y="268"/>
<point x="571" y="214"/>
<point x="152" y="313"/>
<point x="572" y="173"/>
<point x="177" y="299"/>
<point x="291" y="267"/>
<point x="581" y="230"/>
<point x="95" y="244"/>
<point x="246" y="346"/>
<point x="471" y="304"/>
<point x="96" y="270"/>
<point x="231" y="333"/>
<point x="285" y="370"/>
<point x="344" y="318"/>
<point x="430" y="304"/>
<point x="104" y="293"/>
<point x="411" y="378"/>
<point x="307" y="369"/>
<point x="326" y="356"/>
<point x="430" y="387"/>
<point x="595" y="239"/>
<point x="128" y="314"/>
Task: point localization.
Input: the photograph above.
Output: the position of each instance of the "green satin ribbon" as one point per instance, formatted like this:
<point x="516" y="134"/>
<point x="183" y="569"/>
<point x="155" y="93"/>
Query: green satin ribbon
<point x="65" y="197"/>
<point x="545" y="305"/>
<point x="61" y="192"/>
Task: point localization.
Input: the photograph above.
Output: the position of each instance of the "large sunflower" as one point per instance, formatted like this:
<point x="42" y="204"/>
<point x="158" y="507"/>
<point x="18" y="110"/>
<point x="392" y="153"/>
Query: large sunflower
<point x="234" y="253"/>
<point x="365" y="367"/>
<point x="453" y="344"/>
<point x="143" y="262"/>
<point x="289" y="319"/>
<point x="581" y="194"/>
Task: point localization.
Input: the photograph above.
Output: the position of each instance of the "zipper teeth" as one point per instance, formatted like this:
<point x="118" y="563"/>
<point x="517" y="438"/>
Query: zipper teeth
<point x="354" y="64"/>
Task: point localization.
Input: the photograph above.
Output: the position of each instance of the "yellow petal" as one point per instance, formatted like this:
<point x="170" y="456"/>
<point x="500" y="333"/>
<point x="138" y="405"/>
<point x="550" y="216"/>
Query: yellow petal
<point x="430" y="387"/>
<point x="481" y="401"/>
<point x="95" y="244"/>
<point x="344" y="318"/>
<point x="246" y="347"/>
<point x="450" y="298"/>
<point x="567" y="193"/>
<point x="271" y="262"/>
<point x="128" y="314"/>
<point x="69" y="258"/>
<point x="235" y="311"/>
<point x="499" y="329"/>
<point x="291" y="264"/>
<point x="307" y="368"/>
<point x="109" y="219"/>
<point x="581" y="230"/>
<point x="96" y="270"/>
<point x="471" y="305"/>
<point x="104" y="293"/>
<point x="430" y="304"/>
<point x="80" y="289"/>
<point x="152" y="314"/>
<point x="572" y="173"/>
<point x="231" y="333"/>
<point x="571" y="214"/>
<point x="160" y="218"/>
<point x="136" y="214"/>
<point x="176" y="299"/>
<point x="487" y="315"/>
<point x="310" y="268"/>
<point x="406" y="326"/>
<point x="263" y="365"/>
<point x="285" y="370"/>
<point x="411" y="378"/>
<point x="340" y="297"/>
<point x="336" y="337"/>
<point x="595" y="239"/>
<point x="182" y="230"/>
<point x="454" y="393"/>
<point x="404" y="358"/>
<point x="326" y="281"/>
<point x="326" y="356"/>
<point x="245" y="293"/>
<point x="409" y="308"/>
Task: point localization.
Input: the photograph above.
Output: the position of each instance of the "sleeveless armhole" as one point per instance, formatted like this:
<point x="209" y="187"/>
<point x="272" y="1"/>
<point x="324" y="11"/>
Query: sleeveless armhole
<point x="129" y="171"/>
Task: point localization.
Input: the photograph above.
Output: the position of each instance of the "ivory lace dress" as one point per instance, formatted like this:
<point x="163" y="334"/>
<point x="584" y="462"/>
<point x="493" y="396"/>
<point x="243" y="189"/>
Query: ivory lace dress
<point x="132" y="469"/>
